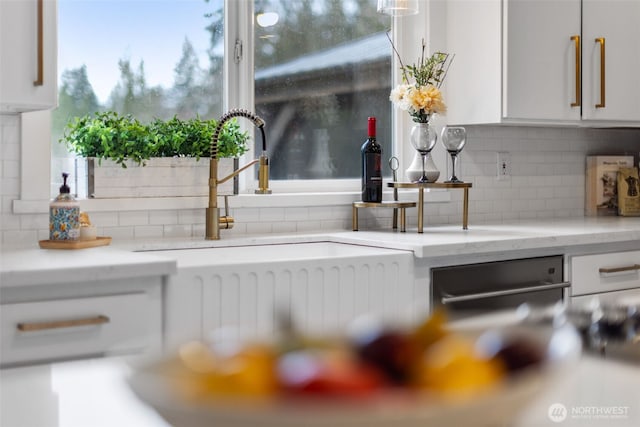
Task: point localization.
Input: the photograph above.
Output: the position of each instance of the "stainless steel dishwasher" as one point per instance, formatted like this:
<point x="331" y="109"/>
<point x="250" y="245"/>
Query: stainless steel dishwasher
<point x="480" y="288"/>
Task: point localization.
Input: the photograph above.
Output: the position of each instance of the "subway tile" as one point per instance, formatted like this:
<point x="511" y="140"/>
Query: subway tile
<point x="10" y="186"/>
<point x="103" y="219"/>
<point x="259" y="227"/>
<point x="193" y="216"/>
<point x="116" y="233"/>
<point x="296" y="214"/>
<point x="200" y="230"/>
<point x="239" y="229"/>
<point x="284" y="227"/>
<point x="133" y="218"/>
<point x="148" y="231"/>
<point x="336" y="224"/>
<point x="20" y="238"/>
<point x="272" y="214"/>
<point x="9" y="221"/>
<point x="246" y="214"/>
<point x="548" y="167"/>
<point x="163" y="217"/>
<point x="34" y="222"/>
<point x="10" y="169"/>
<point x="178" y="230"/>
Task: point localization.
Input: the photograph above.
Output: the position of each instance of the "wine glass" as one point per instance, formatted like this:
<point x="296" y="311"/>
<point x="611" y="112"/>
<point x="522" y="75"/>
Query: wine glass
<point x="423" y="138"/>
<point x="454" y="139"/>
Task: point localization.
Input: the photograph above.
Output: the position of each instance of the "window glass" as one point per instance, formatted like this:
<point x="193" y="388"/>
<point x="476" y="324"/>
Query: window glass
<point x="321" y="68"/>
<point x="148" y="58"/>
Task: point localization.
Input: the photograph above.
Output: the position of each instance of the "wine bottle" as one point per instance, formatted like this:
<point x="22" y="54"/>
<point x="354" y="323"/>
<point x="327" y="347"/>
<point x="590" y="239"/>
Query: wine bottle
<point x="371" y="166"/>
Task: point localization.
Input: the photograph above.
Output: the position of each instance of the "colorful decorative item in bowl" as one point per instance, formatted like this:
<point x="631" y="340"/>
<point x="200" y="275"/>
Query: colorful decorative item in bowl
<point x="88" y="231"/>
<point x="376" y="375"/>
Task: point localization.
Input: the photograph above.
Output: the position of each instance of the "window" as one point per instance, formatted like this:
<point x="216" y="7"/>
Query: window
<point x="321" y="68"/>
<point x="148" y="58"/>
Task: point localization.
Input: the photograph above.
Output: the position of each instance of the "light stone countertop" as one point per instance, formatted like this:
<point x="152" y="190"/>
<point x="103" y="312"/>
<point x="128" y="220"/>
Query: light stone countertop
<point x="447" y="240"/>
<point x="31" y="267"/>
<point x="452" y="240"/>
<point x="137" y="258"/>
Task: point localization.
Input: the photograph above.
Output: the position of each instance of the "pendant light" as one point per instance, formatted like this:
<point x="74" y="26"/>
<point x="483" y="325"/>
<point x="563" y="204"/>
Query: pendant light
<point x="398" y="7"/>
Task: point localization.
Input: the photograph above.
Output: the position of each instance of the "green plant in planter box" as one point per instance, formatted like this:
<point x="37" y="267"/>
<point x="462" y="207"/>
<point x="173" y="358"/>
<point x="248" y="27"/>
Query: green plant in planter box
<point x="108" y="135"/>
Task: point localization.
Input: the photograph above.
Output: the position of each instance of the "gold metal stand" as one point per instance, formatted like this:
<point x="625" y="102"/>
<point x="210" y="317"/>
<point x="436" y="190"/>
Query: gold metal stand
<point x="401" y="206"/>
<point x="422" y="185"/>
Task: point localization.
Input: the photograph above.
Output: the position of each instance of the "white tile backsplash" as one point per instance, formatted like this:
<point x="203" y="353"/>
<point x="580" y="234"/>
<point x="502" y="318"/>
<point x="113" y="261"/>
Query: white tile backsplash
<point x="547" y="181"/>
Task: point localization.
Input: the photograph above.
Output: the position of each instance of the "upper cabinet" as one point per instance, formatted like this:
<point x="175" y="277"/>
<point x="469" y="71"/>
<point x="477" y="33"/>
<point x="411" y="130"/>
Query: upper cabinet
<point x="28" y="43"/>
<point x="524" y="61"/>
<point x="611" y="60"/>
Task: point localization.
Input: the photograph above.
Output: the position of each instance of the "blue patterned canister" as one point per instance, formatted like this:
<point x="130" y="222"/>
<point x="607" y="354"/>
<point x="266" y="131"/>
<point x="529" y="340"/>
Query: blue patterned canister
<point x="64" y="215"/>
<point x="64" y="222"/>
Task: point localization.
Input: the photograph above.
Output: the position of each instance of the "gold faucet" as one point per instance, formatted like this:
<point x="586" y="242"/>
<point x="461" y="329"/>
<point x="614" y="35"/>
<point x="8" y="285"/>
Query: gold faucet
<point x="213" y="219"/>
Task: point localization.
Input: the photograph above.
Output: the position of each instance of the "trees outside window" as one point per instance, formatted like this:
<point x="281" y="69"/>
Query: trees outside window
<point x="320" y="70"/>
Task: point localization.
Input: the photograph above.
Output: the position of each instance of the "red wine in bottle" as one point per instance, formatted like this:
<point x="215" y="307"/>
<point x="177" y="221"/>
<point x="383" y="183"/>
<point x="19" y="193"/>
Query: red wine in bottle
<point x="371" y="166"/>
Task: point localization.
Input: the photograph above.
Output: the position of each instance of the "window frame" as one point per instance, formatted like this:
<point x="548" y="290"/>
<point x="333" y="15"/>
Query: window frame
<point x="239" y="93"/>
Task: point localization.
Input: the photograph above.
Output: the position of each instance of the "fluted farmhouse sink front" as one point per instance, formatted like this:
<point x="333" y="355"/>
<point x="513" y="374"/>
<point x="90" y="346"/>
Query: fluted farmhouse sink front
<point x="322" y="285"/>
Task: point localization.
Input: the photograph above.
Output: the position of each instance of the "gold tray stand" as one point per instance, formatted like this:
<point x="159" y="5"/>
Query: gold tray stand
<point x="397" y="206"/>
<point x="447" y="185"/>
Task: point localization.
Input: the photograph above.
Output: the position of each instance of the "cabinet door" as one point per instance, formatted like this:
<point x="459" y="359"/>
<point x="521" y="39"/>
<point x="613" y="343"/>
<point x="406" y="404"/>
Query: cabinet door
<point x="21" y="60"/>
<point x="540" y="71"/>
<point x="618" y="24"/>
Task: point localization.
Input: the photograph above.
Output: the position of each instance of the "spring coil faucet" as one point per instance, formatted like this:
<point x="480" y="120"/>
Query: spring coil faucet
<point x="213" y="219"/>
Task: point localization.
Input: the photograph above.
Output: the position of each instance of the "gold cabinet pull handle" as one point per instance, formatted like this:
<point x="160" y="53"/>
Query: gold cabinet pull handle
<point x="601" y="41"/>
<point x="604" y="270"/>
<point x="578" y="100"/>
<point x="39" y="81"/>
<point x="58" y="324"/>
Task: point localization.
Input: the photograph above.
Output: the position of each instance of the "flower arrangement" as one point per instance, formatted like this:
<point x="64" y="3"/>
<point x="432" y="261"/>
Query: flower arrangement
<point x="422" y="98"/>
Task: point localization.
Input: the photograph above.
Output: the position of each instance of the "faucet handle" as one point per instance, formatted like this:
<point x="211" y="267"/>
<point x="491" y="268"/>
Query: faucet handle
<point x="263" y="176"/>
<point x="227" y="220"/>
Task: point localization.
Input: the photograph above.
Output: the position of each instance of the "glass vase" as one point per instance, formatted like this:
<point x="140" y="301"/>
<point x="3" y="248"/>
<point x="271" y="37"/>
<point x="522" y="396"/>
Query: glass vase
<point x="423" y="138"/>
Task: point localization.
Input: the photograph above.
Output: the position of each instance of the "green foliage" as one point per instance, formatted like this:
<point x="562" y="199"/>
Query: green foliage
<point x="429" y="71"/>
<point x="307" y="26"/>
<point x="109" y="135"/>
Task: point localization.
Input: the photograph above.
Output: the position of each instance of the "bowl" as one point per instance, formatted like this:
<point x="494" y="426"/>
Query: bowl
<point x="499" y="405"/>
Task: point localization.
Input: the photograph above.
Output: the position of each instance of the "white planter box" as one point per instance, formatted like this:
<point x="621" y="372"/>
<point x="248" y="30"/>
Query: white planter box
<point x="161" y="177"/>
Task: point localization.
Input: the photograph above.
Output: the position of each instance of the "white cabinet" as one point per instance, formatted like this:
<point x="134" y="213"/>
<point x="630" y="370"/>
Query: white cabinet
<point x="539" y="80"/>
<point x="100" y="318"/>
<point x="28" y="47"/>
<point x="69" y="304"/>
<point x="123" y="323"/>
<point x="611" y="60"/>
<point x="523" y="61"/>
<point x="611" y="277"/>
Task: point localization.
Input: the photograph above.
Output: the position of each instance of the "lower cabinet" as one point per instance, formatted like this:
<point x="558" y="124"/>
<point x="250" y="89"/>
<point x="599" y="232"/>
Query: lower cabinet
<point x="612" y="277"/>
<point x="113" y="321"/>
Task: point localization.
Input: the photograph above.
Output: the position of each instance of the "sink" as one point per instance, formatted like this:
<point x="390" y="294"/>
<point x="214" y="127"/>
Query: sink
<point x="323" y="285"/>
<point x="270" y="253"/>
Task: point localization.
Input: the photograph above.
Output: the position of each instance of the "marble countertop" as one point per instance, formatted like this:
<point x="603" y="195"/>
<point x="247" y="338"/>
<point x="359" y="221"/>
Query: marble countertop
<point x="29" y="267"/>
<point x="135" y="258"/>
<point x="444" y="240"/>
<point x="452" y="240"/>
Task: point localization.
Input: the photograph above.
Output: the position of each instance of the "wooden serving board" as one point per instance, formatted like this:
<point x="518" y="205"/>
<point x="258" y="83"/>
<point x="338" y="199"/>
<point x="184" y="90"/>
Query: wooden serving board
<point x="75" y="244"/>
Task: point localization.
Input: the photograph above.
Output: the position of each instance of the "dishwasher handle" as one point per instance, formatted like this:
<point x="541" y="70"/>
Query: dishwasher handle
<point x="545" y="286"/>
